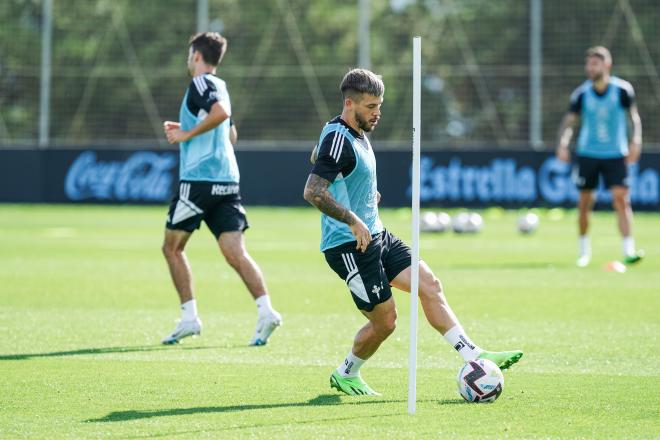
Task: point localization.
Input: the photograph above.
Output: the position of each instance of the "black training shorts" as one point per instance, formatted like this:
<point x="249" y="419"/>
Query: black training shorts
<point x="587" y="170"/>
<point x="368" y="274"/>
<point x="218" y="204"/>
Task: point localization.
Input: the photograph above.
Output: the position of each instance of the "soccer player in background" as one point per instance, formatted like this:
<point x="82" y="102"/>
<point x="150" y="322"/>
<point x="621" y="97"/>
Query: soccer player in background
<point x="602" y="105"/>
<point x="209" y="190"/>
<point x="370" y="259"/>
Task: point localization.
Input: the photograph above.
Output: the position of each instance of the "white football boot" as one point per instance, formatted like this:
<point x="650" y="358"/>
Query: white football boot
<point x="183" y="330"/>
<point x="266" y="325"/>
<point x="583" y="260"/>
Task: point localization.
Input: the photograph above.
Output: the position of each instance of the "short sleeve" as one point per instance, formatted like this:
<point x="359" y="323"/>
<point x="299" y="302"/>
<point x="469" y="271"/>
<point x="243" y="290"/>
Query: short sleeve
<point x="202" y="94"/>
<point x="575" y="104"/>
<point x="335" y="156"/>
<point x="627" y="96"/>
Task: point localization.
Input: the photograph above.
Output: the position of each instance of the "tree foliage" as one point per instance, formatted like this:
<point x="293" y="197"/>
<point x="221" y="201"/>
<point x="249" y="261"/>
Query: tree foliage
<point x="119" y="65"/>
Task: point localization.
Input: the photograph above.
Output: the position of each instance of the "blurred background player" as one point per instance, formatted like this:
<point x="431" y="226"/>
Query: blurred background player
<point x="602" y="105"/>
<point x="343" y="186"/>
<point x="209" y="190"/>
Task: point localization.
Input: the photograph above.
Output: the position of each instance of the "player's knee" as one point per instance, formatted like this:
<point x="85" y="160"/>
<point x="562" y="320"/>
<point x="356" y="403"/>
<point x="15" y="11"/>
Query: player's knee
<point x="234" y="256"/>
<point x="585" y="202"/>
<point x="619" y="201"/>
<point x="431" y="287"/>
<point x="435" y="285"/>
<point x="390" y="326"/>
<point x="233" y="260"/>
<point x="387" y="325"/>
<point x="170" y="250"/>
<point x="584" y="205"/>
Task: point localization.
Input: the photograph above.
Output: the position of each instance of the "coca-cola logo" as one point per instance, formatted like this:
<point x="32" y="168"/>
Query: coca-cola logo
<point x="144" y="176"/>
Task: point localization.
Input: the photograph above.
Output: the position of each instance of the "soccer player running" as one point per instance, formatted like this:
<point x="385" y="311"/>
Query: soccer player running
<point x="342" y="185"/>
<point x="209" y="190"/>
<point x="602" y="105"/>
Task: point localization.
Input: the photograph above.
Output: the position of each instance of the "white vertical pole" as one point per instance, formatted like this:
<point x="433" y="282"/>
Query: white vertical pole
<point x="414" y="282"/>
<point x="535" y="61"/>
<point x="202" y="15"/>
<point x="364" y="42"/>
<point x="46" y="63"/>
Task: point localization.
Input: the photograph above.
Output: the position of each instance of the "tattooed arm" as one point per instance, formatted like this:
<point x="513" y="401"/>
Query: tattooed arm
<point x="635" y="146"/>
<point x="317" y="194"/>
<point x="314" y="155"/>
<point x="565" y="134"/>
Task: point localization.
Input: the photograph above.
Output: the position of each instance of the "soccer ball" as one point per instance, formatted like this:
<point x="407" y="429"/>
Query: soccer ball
<point x="434" y="222"/>
<point x="467" y="223"/>
<point x="428" y="222"/>
<point x="528" y="223"/>
<point x="444" y="221"/>
<point x="480" y="381"/>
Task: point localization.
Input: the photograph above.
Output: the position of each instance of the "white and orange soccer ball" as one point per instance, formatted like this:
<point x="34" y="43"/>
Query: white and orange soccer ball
<point x="480" y="381"/>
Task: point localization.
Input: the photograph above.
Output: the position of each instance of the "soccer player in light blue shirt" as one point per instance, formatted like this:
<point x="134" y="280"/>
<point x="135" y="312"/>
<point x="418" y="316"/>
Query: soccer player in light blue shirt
<point x="602" y="106"/>
<point x="367" y="257"/>
<point x="209" y="190"/>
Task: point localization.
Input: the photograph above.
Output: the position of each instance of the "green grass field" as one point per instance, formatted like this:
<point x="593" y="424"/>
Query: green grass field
<point x="85" y="298"/>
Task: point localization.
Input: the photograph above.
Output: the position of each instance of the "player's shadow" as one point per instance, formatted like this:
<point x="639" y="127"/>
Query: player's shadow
<point x="95" y="350"/>
<point x="452" y="402"/>
<point x="321" y="400"/>
<point x="509" y="265"/>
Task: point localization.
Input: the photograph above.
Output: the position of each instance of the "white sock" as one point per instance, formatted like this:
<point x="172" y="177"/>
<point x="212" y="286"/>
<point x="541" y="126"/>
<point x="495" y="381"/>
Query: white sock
<point x="263" y="305"/>
<point x="585" y="245"/>
<point x="458" y="339"/>
<point x="189" y="310"/>
<point x="351" y="365"/>
<point x="628" y="246"/>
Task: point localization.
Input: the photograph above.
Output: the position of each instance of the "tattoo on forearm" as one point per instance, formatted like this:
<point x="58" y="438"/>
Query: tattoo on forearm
<point x="316" y="193"/>
<point x="566" y="130"/>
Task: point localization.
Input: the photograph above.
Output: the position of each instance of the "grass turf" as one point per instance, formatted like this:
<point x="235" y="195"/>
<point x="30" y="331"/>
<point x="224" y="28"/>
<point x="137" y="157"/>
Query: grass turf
<point x="85" y="298"/>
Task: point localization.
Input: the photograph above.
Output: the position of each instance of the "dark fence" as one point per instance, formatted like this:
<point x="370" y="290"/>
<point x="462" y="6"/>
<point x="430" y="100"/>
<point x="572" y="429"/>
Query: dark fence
<point x="511" y="179"/>
<point x="118" y="68"/>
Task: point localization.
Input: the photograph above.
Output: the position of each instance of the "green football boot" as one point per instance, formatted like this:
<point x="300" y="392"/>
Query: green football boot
<point x="353" y="386"/>
<point x="635" y="258"/>
<point x="503" y="359"/>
